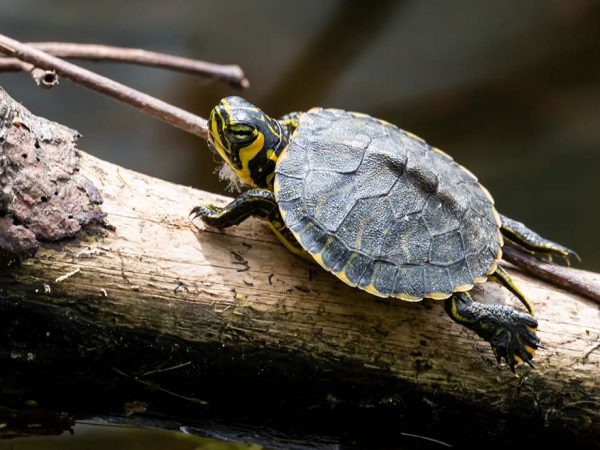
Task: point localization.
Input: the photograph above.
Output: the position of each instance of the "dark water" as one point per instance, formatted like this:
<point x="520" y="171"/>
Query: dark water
<point x="89" y="436"/>
<point x="511" y="89"/>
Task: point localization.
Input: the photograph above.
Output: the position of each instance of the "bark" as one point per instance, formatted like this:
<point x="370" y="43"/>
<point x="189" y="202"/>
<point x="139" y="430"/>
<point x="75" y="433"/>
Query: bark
<point x="157" y="316"/>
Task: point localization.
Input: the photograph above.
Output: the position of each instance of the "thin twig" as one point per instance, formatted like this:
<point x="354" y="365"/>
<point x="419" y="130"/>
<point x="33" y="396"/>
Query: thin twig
<point x="43" y="78"/>
<point x="67" y="275"/>
<point x="558" y="275"/>
<point x="153" y="386"/>
<point x="428" y="439"/>
<point x="166" y="369"/>
<point x="92" y="52"/>
<point x="144" y="102"/>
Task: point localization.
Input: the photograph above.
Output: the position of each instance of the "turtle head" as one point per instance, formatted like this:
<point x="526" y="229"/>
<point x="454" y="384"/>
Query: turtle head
<point x="247" y="139"/>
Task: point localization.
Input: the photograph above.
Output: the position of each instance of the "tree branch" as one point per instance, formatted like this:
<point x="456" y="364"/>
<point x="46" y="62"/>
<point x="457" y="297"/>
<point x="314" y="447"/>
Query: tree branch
<point x="43" y="78"/>
<point x="232" y="74"/>
<point x="157" y="108"/>
<point x="572" y="280"/>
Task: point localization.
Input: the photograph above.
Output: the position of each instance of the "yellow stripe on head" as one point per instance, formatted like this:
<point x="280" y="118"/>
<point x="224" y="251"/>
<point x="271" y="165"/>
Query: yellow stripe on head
<point x="247" y="139"/>
<point x="215" y="133"/>
<point x="246" y="155"/>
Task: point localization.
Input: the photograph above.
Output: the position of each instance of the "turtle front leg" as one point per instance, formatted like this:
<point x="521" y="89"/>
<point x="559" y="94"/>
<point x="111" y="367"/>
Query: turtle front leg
<point x="530" y="240"/>
<point x="510" y="333"/>
<point x="256" y="203"/>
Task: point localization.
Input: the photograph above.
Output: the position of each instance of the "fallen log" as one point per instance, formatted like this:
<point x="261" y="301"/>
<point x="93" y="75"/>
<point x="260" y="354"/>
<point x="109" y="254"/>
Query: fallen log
<point x="143" y="311"/>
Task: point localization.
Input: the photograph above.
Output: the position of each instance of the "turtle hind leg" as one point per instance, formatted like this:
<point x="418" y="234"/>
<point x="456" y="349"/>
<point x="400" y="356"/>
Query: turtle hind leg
<point x="501" y="277"/>
<point x="510" y="333"/>
<point x="533" y="242"/>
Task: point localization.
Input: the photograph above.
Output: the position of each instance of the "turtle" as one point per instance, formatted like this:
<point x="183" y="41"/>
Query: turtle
<point x="380" y="209"/>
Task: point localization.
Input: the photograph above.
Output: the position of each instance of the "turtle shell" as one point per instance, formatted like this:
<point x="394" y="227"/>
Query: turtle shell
<point x="383" y="210"/>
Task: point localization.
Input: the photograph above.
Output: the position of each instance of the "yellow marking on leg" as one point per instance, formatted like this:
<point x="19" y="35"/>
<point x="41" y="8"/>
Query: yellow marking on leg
<point x="456" y="315"/>
<point x="501" y="277"/>
<point x="533" y="246"/>
<point x="530" y="350"/>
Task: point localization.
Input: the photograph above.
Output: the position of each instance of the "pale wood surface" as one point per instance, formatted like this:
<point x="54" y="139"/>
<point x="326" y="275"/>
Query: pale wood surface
<point x="159" y="272"/>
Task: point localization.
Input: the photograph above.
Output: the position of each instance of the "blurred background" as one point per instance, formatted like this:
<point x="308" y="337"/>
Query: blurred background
<point x="511" y="89"/>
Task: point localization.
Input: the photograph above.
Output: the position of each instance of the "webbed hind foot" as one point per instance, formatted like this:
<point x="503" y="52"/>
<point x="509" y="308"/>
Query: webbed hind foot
<point x="510" y="333"/>
<point x="534" y="243"/>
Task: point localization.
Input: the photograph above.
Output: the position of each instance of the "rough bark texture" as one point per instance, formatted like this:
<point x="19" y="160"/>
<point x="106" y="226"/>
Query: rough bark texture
<point x="253" y="332"/>
<point x="43" y="197"/>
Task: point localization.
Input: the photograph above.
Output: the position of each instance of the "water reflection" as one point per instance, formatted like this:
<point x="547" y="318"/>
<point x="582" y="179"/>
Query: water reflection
<point x="90" y="436"/>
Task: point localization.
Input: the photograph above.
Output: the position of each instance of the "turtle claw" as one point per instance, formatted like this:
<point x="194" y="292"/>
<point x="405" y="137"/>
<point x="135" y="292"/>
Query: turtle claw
<point x="203" y="210"/>
<point x="510" y="333"/>
<point x="563" y="253"/>
<point x="570" y="255"/>
<point x="515" y="340"/>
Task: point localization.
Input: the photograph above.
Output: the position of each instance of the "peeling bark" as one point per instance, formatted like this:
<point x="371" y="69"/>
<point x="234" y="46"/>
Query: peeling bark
<point x="43" y="196"/>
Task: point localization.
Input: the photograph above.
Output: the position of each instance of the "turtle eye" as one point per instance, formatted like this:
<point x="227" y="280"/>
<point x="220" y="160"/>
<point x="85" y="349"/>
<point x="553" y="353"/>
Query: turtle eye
<point x="240" y="132"/>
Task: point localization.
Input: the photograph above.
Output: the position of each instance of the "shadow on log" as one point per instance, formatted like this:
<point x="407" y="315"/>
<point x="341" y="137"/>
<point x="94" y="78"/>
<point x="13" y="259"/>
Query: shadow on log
<point x="231" y="335"/>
